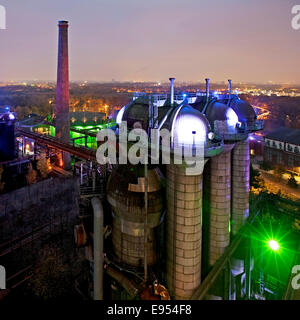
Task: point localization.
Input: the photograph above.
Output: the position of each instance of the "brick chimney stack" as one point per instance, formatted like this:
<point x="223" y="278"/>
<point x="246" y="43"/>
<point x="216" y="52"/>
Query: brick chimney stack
<point x="62" y="91"/>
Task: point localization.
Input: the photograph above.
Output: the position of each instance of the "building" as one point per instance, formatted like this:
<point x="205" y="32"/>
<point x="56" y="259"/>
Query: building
<point x="282" y="147"/>
<point x="7" y="134"/>
<point x="87" y="118"/>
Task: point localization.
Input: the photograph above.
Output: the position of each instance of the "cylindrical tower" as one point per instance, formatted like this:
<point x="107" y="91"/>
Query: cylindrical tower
<point x="62" y="121"/>
<point x="218" y="205"/>
<point x="184" y="231"/>
<point x="184" y="203"/>
<point x="125" y="193"/>
<point x="217" y="185"/>
<point x="241" y="163"/>
<point x="240" y="184"/>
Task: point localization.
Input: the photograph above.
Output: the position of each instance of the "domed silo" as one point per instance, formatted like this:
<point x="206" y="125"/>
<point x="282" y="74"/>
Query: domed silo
<point x="125" y="193"/>
<point x="246" y="113"/>
<point x="217" y="179"/>
<point x="226" y="177"/>
<point x="241" y="162"/>
<point x="184" y="203"/>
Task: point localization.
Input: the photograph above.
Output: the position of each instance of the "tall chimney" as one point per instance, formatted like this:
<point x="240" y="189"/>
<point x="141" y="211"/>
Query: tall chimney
<point x="229" y="90"/>
<point x="172" y="89"/>
<point x="207" y="88"/>
<point x="62" y="121"/>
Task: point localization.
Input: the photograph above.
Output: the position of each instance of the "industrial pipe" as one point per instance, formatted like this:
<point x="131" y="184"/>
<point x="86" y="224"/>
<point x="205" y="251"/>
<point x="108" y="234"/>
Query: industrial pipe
<point x="126" y="283"/>
<point x="146" y="225"/>
<point x="172" y="90"/>
<point x="98" y="248"/>
<point x="229" y="90"/>
<point x="207" y="89"/>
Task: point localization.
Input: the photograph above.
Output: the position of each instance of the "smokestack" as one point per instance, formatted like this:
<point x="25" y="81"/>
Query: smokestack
<point x="229" y="89"/>
<point x="62" y="121"/>
<point x="207" y="88"/>
<point x="172" y="90"/>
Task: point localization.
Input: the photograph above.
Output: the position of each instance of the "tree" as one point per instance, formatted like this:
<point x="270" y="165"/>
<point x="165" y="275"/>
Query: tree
<point x="279" y="171"/>
<point x="31" y="176"/>
<point x="292" y="182"/>
<point x="43" y="165"/>
<point x="254" y="177"/>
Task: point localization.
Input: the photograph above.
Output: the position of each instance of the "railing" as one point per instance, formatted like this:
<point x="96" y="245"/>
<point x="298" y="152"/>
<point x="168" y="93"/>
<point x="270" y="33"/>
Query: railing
<point x="256" y="126"/>
<point x="183" y="95"/>
<point x="91" y="192"/>
<point x="81" y="152"/>
<point x="239" y="132"/>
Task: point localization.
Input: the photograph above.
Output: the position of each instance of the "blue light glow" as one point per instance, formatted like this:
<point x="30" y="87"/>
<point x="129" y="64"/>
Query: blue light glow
<point x="232" y="118"/>
<point x="11" y="116"/>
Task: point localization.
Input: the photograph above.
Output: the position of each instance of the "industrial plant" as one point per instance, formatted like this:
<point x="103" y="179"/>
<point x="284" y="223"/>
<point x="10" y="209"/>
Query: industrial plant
<point x="147" y="231"/>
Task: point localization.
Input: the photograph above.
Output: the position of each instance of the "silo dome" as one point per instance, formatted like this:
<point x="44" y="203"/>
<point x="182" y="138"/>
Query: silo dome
<point x="189" y="126"/>
<point x="218" y="111"/>
<point x="244" y="110"/>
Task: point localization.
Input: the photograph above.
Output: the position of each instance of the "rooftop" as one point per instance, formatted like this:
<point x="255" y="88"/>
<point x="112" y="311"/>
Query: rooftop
<point x="288" y="135"/>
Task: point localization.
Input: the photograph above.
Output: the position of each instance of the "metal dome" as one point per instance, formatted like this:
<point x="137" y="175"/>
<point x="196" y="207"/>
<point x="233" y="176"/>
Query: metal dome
<point x="244" y="110"/>
<point x="189" y="126"/>
<point x="218" y="111"/>
<point x="137" y="112"/>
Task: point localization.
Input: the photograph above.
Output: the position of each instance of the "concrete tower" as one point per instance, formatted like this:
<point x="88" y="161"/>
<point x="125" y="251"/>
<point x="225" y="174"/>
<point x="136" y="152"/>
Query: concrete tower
<point x="62" y="90"/>
<point x="217" y="181"/>
<point x="184" y="231"/>
<point x="241" y="163"/>
<point x="184" y="207"/>
<point x="240" y="184"/>
<point x="218" y="204"/>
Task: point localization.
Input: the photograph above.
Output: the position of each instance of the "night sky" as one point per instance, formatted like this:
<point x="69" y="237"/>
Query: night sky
<point x="246" y="40"/>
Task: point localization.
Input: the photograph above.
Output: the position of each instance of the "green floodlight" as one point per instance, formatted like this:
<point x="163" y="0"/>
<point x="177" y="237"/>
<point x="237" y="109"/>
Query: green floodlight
<point x="274" y="245"/>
